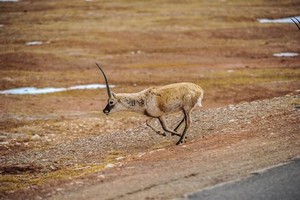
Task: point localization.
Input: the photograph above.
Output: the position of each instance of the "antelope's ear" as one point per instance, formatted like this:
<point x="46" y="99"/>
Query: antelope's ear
<point x="113" y="95"/>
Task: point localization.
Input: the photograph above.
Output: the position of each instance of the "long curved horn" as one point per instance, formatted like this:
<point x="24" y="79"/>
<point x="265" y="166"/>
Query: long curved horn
<point x="106" y="82"/>
<point x="295" y="22"/>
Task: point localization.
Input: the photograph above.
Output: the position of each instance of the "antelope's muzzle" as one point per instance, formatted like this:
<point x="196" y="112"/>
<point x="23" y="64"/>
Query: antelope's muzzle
<point x="107" y="109"/>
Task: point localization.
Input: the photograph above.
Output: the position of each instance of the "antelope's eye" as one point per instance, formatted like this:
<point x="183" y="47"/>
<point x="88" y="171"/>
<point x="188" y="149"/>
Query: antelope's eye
<point x="110" y="102"/>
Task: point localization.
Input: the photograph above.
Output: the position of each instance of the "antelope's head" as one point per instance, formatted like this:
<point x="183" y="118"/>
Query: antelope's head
<point x="112" y="97"/>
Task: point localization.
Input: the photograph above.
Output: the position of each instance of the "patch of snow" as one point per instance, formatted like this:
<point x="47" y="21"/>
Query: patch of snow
<point x="285" y="54"/>
<point x="86" y="87"/>
<point x="33" y="90"/>
<point x="9" y="1"/>
<point x="281" y="20"/>
<point x="34" y="43"/>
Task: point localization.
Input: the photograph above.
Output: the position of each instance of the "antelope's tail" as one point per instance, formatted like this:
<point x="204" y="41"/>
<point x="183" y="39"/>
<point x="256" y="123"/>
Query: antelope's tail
<point x="199" y="102"/>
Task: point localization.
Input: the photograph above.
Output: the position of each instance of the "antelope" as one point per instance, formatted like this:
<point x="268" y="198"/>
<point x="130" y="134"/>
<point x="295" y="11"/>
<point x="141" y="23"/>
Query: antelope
<point x="157" y="102"/>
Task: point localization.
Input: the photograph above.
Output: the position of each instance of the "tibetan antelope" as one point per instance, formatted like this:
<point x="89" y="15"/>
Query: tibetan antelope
<point x="157" y="102"/>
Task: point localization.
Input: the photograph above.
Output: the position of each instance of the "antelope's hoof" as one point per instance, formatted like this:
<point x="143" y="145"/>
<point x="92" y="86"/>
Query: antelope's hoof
<point x="179" y="142"/>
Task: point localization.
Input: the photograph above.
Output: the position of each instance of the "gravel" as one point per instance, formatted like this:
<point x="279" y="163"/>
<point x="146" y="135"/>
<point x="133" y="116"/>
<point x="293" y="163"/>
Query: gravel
<point x="94" y="149"/>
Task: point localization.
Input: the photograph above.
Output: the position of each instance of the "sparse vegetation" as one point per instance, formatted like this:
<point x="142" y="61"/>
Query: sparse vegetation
<point x="218" y="45"/>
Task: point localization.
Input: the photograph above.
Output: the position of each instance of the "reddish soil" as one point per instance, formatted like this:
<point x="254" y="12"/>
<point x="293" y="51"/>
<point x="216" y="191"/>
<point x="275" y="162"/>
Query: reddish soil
<point x="54" y="144"/>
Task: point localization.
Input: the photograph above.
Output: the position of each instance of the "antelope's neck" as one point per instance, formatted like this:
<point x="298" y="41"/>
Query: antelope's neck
<point x="134" y="102"/>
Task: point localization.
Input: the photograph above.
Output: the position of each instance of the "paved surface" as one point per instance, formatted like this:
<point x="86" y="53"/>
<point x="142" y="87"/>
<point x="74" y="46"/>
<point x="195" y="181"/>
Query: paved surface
<point x="278" y="183"/>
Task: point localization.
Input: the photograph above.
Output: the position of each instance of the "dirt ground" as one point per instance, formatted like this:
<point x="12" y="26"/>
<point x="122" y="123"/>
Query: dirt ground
<point x="53" y="144"/>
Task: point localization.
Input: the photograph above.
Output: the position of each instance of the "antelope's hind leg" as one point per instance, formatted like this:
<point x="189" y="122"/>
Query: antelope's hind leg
<point x="148" y="122"/>
<point x="187" y="119"/>
<point x="178" y="126"/>
<point x="165" y="127"/>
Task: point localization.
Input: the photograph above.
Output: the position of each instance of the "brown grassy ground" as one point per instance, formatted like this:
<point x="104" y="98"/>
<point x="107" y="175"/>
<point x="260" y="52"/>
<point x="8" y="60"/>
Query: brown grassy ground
<point x="218" y="45"/>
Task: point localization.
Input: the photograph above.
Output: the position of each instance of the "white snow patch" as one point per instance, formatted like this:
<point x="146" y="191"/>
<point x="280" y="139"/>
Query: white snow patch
<point x="34" y="43"/>
<point x="33" y="90"/>
<point x="90" y="86"/>
<point x="9" y="1"/>
<point x="281" y="20"/>
<point x="285" y="54"/>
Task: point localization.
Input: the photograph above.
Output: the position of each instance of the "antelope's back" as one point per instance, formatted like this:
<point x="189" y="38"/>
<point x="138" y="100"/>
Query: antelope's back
<point x="174" y="97"/>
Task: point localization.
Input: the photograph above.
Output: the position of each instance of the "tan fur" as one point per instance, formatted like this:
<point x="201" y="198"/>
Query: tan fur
<point x="157" y="102"/>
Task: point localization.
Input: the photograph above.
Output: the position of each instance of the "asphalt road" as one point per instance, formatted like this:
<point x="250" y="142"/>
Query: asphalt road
<point x="282" y="182"/>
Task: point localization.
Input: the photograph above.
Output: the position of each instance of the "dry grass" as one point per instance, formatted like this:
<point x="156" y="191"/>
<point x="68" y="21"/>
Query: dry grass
<point x="11" y="182"/>
<point x="244" y="77"/>
<point x="218" y="45"/>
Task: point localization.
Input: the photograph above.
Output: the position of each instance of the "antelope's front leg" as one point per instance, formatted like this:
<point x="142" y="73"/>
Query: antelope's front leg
<point x="148" y="122"/>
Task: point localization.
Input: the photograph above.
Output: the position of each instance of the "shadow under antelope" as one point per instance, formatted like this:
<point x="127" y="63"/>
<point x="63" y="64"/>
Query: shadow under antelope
<point x="157" y="102"/>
